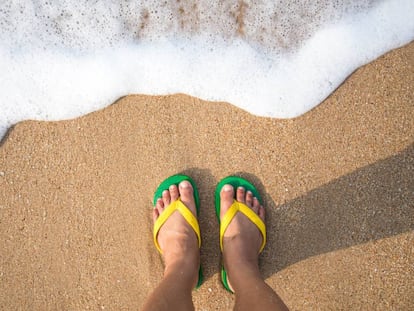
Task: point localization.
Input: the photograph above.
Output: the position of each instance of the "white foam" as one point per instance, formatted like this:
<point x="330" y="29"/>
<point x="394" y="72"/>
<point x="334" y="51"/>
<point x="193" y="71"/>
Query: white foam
<point x="52" y="69"/>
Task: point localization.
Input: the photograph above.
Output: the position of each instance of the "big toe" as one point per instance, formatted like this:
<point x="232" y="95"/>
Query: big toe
<point x="187" y="195"/>
<point x="227" y="198"/>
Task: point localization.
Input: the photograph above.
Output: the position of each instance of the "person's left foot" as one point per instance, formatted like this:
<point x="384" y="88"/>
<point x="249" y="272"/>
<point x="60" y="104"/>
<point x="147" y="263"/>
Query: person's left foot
<point x="176" y="238"/>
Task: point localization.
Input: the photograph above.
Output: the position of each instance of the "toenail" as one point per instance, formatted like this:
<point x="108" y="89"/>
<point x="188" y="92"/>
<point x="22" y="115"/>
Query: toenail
<point x="227" y="188"/>
<point x="184" y="185"/>
<point x="249" y="192"/>
<point x="165" y="192"/>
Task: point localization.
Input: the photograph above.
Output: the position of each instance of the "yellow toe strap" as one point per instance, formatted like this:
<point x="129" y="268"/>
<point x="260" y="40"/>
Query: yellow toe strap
<point x="179" y="206"/>
<point x="254" y="218"/>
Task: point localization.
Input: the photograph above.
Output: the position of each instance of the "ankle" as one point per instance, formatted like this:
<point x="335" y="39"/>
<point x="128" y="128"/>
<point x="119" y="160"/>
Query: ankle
<point x="185" y="264"/>
<point x="183" y="271"/>
<point x="239" y="253"/>
<point x="242" y="275"/>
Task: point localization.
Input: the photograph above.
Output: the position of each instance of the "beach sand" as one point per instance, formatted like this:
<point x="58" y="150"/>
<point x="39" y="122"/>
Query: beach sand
<point x="337" y="183"/>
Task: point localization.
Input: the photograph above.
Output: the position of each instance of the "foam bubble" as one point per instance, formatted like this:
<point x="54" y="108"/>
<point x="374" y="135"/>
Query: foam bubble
<point x="62" y="61"/>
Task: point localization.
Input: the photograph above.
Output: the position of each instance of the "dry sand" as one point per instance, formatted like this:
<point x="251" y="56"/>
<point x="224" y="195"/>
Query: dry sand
<point x="338" y="184"/>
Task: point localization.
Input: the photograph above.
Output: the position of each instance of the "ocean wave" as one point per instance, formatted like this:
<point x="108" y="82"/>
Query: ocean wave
<point x="63" y="59"/>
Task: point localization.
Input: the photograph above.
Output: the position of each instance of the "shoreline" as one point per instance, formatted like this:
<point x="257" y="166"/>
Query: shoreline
<point x="337" y="184"/>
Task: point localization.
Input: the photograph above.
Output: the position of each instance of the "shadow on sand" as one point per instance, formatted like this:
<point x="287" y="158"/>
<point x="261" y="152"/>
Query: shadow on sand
<point x="371" y="203"/>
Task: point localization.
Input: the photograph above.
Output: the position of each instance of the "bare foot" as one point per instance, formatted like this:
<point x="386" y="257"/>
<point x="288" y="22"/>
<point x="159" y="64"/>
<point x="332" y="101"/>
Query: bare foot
<point x="176" y="238"/>
<point x="242" y="239"/>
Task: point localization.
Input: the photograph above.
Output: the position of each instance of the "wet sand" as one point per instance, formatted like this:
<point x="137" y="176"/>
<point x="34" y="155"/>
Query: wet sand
<point x="75" y="197"/>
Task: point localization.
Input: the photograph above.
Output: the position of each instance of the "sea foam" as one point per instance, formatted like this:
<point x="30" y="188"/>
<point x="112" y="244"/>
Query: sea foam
<point x="63" y="59"/>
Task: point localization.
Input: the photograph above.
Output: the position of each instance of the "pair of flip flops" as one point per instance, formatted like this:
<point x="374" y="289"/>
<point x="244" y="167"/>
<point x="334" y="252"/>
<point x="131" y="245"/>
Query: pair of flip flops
<point x="224" y="222"/>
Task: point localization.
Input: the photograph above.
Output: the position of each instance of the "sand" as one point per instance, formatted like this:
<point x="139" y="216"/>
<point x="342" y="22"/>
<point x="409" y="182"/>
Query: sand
<point x="75" y="197"/>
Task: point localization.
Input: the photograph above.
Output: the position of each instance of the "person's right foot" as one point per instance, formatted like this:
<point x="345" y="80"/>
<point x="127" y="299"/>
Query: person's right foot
<point x="242" y="239"/>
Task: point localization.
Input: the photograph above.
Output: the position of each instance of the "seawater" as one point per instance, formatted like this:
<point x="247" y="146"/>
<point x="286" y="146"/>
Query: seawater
<point x="62" y="59"/>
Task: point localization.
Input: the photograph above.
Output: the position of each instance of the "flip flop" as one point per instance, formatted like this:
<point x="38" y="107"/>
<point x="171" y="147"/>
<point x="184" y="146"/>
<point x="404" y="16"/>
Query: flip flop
<point x="178" y="205"/>
<point x="234" y="208"/>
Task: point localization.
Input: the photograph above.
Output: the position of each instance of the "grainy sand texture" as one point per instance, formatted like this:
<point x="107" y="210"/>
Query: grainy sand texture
<point x="337" y="182"/>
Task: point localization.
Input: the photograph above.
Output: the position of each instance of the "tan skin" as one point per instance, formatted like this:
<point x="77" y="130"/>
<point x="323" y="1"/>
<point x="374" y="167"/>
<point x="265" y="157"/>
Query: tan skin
<point x="181" y="255"/>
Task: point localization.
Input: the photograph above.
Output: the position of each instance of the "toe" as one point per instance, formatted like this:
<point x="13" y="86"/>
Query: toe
<point x="249" y="199"/>
<point x="241" y="194"/>
<point x="174" y="194"/>
<point x="262" y="213"/>
<point x="187" y="195"/>
<point x="155" y="214"/>
<point x="159" y="206"/>
<point x="256" y="205"/>
<point x="226" y="198"/>
<point x="166" y="198"/>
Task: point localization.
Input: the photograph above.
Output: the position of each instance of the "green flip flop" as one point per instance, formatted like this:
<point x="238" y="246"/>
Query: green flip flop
<point x="178" y="205"/>
<point x="234" y="208"/>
